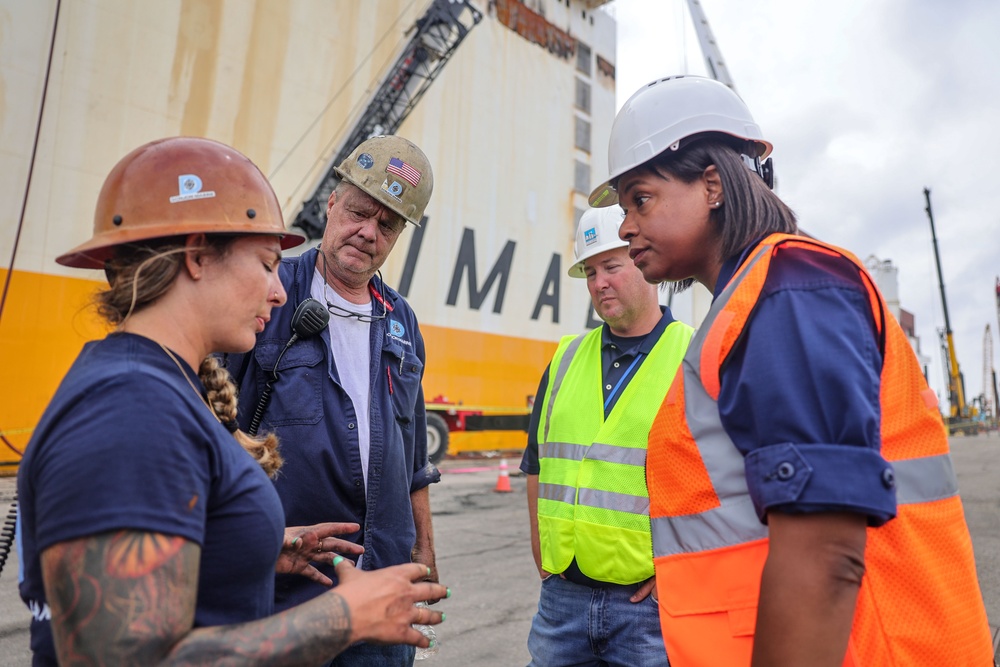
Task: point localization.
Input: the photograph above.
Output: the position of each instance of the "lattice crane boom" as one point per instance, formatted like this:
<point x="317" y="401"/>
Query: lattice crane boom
<point x="717" y="68"/>
<point x="989" y="401"/>
<point x="956" y="392"/>
<point x="433" y="41"/>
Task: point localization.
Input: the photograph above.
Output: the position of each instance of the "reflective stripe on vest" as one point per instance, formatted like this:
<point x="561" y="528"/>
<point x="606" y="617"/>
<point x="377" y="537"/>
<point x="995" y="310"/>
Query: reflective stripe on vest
<point x="556" y="383"/>
<point x="919" y="603"/>
<point x="592" y="500"/>
<point x="917" y="481"/>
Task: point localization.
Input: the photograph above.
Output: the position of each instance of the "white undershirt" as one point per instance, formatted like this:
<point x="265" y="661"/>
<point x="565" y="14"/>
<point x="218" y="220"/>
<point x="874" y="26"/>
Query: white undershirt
<point x="350" y="341"/>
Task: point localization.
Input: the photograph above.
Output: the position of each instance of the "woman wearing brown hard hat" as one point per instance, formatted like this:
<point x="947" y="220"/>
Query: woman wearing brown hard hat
<point x="148" y="535"/>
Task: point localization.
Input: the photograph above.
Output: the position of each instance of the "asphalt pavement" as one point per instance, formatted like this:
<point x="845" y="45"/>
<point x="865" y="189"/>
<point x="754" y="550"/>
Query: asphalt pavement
<point x="484" y="555"/>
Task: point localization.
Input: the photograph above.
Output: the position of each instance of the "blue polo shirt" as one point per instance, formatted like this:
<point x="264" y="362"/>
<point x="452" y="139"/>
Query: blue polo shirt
<point x="621" y="358"/>
<point x="803" y="382"/>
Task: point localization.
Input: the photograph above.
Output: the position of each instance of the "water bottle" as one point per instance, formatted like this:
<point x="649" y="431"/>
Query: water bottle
<point x="427" y="631"/>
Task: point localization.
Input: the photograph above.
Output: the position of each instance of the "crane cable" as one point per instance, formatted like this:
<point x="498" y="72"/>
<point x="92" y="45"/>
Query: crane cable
<point x="333" y="99"/>
<point x="27" y="186"/>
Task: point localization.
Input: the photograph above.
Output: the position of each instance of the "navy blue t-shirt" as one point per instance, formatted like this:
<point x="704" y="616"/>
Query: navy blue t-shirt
<point x="127" y="444"/>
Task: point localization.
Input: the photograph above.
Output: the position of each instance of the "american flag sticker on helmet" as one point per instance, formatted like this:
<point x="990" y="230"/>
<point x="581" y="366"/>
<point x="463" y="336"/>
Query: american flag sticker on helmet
<point x="403" y="170"/>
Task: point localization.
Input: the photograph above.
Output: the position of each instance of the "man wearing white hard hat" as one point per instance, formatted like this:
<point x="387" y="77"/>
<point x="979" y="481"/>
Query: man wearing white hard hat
<point x="585" y="461"/>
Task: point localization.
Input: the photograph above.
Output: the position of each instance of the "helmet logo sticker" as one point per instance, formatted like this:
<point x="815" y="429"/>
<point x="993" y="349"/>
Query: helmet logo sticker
<point x="590" y="236"/>
<point x="396" y="329"/>
<point x="189" y="187"/>
<point x="394" y="189"/>
<point x="403" y="170"/>
<point x="365" y="161"/>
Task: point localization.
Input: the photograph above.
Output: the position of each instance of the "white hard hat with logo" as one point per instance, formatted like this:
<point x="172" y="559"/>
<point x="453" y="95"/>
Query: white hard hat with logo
<point x="596" y="233"/>
<point x="662" y="113"/>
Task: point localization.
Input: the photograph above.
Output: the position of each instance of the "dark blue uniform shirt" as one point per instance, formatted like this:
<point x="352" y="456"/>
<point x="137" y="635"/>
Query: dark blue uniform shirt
<point x="801" y="385"/>
<point x="314" y="417"/>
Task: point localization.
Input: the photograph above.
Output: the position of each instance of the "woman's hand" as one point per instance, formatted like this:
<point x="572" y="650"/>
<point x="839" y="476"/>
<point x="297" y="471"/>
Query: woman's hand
<point x="305" y="545"/>
<point x="382" y="602"/>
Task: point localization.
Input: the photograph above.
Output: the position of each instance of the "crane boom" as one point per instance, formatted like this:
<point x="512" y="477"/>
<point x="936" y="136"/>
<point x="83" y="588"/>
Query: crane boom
<point x="717" y="68"/>
<point x="955" y="390"/>
<point x="988" y="404"/>
<point x="998" y="301"/>
<point x="435" y="37"/>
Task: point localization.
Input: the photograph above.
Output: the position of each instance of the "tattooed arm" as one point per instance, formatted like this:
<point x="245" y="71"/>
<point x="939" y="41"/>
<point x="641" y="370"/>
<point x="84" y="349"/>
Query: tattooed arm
<point x="129" y="598"/>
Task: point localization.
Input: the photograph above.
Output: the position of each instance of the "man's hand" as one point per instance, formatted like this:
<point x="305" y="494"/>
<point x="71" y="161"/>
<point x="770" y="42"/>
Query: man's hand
<point x="305" y="545"/>
<point x="645" y="590"/>
<point x="426" y="557"/>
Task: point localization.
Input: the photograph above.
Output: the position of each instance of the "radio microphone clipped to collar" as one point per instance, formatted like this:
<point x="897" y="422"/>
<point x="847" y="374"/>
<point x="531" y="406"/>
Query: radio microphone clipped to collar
<point x="309" y="318"/>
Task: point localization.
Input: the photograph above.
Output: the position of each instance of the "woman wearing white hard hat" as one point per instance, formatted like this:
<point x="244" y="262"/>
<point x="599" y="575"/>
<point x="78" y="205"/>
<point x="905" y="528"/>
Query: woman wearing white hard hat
<point x="148" y="535"/>
<point x="803" y="505"/>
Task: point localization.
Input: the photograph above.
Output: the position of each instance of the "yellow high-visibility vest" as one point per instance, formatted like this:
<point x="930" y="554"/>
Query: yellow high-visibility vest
<point x="592" y="499"/>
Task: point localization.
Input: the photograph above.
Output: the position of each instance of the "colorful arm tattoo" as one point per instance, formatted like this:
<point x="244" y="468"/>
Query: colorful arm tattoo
<point x="129" y="598"/>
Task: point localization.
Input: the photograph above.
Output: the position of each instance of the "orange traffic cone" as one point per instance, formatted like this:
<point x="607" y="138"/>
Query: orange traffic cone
<point x="503" y="481"/>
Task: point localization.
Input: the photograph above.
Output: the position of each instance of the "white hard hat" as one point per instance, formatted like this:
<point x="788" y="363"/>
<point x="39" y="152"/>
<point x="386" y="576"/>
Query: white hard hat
<point x="596" y="233"/>
<point x="662" y="113"/>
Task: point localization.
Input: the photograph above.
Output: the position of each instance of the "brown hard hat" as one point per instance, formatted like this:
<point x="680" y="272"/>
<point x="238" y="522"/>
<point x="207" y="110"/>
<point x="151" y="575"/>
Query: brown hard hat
<point x="393" y="171"/>
<point x="179" y="186"/>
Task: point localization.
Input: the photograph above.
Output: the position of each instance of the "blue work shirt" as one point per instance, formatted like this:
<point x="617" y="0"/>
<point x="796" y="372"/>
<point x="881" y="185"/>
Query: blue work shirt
<point x="314" y="417"/>
<point x="803" y="381"/>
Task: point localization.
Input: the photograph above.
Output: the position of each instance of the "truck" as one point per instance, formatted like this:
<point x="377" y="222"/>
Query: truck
<point x="514" y="125"/>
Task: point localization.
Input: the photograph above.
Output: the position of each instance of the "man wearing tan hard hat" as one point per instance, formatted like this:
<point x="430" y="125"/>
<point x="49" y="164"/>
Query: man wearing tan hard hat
<point x="585" y="460"/>
<point x="347" y="403"/>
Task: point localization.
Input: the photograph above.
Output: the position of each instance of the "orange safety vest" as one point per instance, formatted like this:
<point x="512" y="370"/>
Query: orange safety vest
<point x="919" y="602"/>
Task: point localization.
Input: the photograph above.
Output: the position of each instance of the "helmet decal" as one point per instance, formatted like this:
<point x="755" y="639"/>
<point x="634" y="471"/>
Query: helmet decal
<point x="394" y="189"/>
<point x="189" y="187"/>
<point x="403" y="170"/>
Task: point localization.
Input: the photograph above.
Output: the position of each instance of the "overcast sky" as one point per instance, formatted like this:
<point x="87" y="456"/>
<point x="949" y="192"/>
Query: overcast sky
<point x="866" y="103"/>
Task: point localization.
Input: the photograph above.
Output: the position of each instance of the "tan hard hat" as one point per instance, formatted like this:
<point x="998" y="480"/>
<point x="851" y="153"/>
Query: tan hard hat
<point x="178" y="186"/>
<point x="393" y="171"/>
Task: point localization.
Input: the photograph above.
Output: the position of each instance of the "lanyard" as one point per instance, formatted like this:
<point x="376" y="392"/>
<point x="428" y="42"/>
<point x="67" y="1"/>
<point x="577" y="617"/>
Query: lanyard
<point x="624" y="377"/>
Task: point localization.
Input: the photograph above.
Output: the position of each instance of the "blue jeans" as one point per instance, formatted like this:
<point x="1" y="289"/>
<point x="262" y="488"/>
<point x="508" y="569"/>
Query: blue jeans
<point x="375" y="655"/>
<point x="579" y="626"/>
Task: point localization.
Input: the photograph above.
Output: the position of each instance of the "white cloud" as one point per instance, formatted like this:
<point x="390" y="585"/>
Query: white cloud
<point x="867" y="102"/>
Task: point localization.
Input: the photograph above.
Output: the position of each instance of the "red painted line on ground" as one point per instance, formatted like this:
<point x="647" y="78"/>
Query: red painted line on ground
<point x="481" y="469"/>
